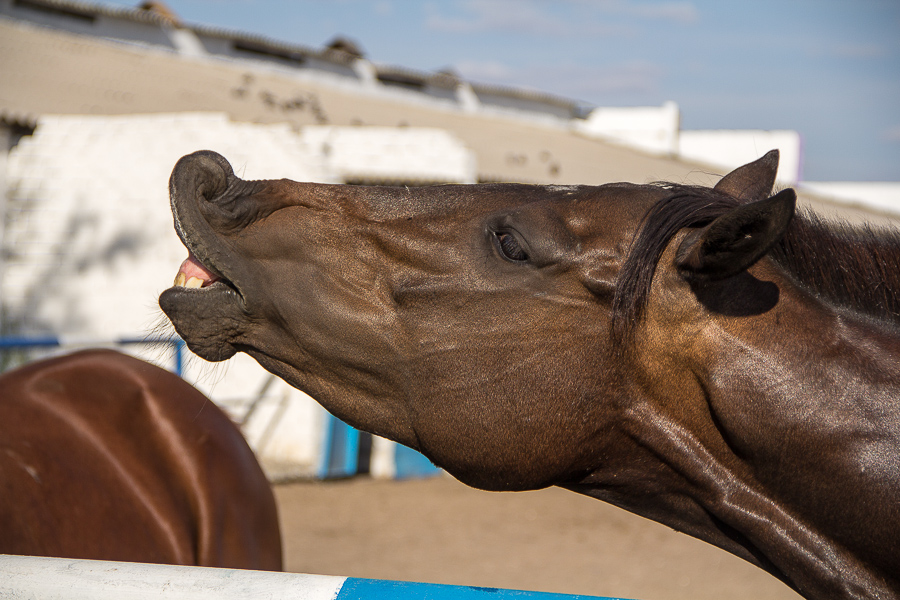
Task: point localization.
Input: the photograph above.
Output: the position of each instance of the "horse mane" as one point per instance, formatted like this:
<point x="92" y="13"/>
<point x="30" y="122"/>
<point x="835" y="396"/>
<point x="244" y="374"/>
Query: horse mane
<point x="854" y="267"/>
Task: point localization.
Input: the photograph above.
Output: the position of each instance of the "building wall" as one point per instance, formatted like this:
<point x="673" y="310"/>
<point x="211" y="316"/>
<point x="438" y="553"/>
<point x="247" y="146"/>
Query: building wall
<point x="399" y="155"/>
<point x="89" y="245"/>
<point x="731" y="148"/>
<point x="874" y="196"/>
<point x="649" y="128"/>
<point x="88" y="22"/>
<point x="53" y="72"/>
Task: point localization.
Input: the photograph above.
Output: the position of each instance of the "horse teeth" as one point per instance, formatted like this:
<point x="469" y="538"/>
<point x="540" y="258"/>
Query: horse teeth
<point x="179" y="280"/>
<point x="194" y="282"/>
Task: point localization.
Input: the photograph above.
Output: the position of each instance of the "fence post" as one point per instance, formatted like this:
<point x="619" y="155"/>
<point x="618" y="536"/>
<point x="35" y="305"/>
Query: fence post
<point x="179" y="357"/>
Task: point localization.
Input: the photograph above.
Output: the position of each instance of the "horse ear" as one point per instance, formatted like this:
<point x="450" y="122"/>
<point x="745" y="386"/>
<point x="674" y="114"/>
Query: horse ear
<point x="737" y="239"/>
<point x="753" y="181"/>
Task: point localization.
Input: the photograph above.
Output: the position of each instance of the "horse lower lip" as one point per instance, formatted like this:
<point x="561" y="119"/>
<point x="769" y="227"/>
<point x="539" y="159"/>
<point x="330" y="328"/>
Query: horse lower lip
<point x="195" y="285"/>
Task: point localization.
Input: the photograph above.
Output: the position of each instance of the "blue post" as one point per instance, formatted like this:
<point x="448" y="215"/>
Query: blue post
<point x="179" y="357"/>
<point x="340" y="456"/>
<point x="411" y="464"/>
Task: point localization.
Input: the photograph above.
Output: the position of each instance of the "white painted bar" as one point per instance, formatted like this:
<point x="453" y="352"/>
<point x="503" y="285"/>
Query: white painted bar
<point x="38" y="578"/>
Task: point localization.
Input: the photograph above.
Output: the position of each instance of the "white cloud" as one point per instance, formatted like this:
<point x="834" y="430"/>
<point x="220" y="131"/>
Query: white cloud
<point x="383" y="8"/>
<point x="892" y="134"/>
<point x="847" y="50"/>
<point x="859" y="50"/>
<point x="492" y="71"/>
<point x="556" y="19"/>
<point x="680" y="12"/>
<point x="498" y="15"/>
<point x="580" y="82"/>
<point x="586" y="82"/>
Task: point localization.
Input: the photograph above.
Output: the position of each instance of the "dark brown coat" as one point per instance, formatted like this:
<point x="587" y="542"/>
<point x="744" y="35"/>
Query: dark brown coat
<point x="104" y="456"/>
<point x="664" y="348"/>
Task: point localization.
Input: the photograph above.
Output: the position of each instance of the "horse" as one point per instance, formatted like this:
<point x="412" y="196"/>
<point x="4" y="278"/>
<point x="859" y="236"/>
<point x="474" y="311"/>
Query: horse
<point x="710" y="358"/>
<point x="104" y="456"/>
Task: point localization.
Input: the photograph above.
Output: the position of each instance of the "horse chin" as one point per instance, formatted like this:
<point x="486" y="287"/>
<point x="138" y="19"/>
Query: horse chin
<point x="277" y="367"/>
<point x="208" y="319"/>
<point x="503" y="481"/>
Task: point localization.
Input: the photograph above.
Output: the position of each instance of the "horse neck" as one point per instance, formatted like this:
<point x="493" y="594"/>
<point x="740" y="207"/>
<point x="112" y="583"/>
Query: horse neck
<point x="839" y="314"/>
<point x="825" y="329"/>
<point x="809" y="392"/>
<point x="855" y="268"/>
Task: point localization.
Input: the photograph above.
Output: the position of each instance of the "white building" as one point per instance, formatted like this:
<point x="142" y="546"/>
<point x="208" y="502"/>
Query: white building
<point x="89" y="242"/>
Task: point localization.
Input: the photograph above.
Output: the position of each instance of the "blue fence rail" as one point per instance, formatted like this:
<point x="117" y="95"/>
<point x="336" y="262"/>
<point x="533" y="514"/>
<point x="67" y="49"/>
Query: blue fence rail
<point x="25" y="343"/>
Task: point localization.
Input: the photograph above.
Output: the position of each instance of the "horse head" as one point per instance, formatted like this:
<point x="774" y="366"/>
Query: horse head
<point x="638" y="343"/>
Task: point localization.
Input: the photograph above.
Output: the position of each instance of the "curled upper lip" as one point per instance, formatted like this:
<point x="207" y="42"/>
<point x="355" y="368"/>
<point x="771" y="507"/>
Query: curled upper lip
<point x="198" y="178"/>
<point x="193" y="273"/>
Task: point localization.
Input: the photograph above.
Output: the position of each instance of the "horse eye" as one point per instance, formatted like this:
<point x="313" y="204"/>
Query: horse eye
<point x="509" y="246"/>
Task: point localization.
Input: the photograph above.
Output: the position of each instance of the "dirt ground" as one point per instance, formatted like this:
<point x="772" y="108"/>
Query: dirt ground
<point x="438" y="530"/>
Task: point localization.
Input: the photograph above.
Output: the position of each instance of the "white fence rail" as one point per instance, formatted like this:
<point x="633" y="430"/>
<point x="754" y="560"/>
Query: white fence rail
<point x="29" y="578"/>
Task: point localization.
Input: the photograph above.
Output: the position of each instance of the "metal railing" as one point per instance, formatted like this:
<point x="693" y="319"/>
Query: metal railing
<point x="8" y="343"/>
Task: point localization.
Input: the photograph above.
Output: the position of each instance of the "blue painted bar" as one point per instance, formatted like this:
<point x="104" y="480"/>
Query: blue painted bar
<point x="412" y="464"/>
<point x="375" y="589"/>
<point x="340" y="456"/>
<point x="28" y="342"/>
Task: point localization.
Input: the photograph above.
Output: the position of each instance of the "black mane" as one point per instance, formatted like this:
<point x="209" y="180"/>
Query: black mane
<point x="856" y="267"/>
<point x="852" y="267"/>
<point x="685" y="206"/>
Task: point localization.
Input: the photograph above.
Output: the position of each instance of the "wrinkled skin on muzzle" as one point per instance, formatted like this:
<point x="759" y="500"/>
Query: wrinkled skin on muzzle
<point x="452" y="319"/>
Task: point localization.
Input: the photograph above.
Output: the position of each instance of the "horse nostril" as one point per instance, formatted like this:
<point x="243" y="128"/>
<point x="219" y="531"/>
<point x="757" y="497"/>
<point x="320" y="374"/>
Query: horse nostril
<point x="203" y="175"/>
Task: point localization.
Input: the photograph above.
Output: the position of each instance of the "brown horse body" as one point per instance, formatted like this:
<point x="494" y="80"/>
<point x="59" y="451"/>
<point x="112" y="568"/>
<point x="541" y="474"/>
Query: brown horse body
<point x="668" y="349"/>
<point x="104" y="456"/>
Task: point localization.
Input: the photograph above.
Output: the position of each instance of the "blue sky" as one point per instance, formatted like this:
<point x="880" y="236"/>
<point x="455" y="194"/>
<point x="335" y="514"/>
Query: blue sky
<point x="829" y="69"/>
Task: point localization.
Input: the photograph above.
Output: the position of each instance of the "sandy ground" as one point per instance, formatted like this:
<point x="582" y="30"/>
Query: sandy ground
<point x="438" y="530"/>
